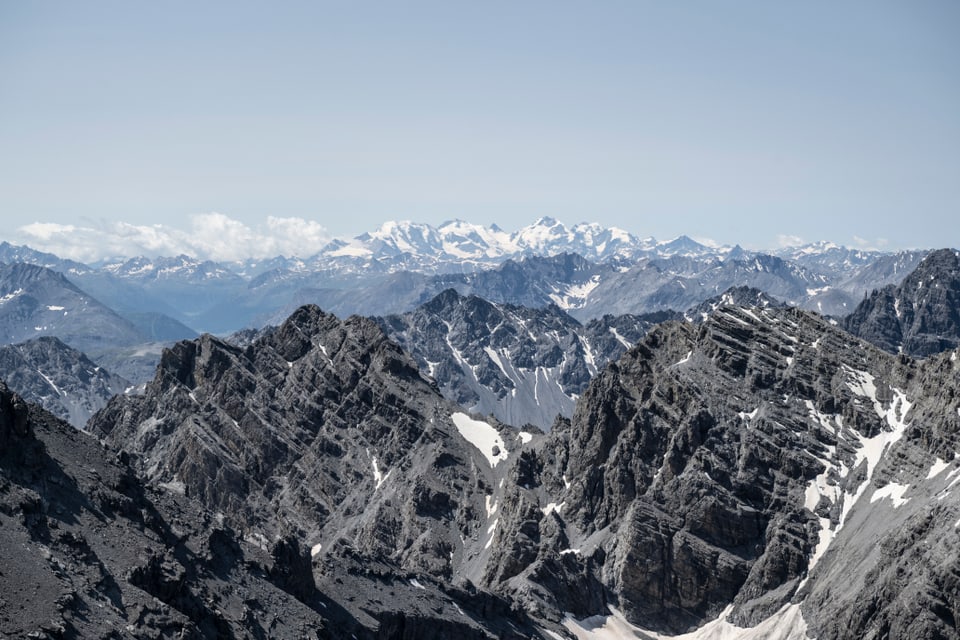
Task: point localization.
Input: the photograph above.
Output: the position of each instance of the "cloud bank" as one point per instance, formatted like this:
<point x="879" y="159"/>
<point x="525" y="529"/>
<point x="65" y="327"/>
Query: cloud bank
<point x="212" y="236"/>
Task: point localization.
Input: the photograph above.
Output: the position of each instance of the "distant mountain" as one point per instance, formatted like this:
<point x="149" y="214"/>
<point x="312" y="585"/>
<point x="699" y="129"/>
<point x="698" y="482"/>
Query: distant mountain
<point x="59" y="378"/>
<point x="402" y="265"/>
<point x="421" y="247"/>
<point x="683" y="282"/>
<point x="522" y="365"/>
<point x="920" y="316"/>
<point x="36" y="301"/>
<point x="828" y="258"/>
<point x="534" y="281"/>
<point x="158" y="327"/>
<point x="186" y="289"/>
<point x="12" y="253"/>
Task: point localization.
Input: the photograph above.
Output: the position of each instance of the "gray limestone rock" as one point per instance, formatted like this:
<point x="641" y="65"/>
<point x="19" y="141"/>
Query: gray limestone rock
<point x="920" y="316"/>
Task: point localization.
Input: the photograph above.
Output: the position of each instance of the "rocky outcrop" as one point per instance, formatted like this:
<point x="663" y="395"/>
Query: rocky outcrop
<point x="920" y="316"/>
<point x="760" y="468"/>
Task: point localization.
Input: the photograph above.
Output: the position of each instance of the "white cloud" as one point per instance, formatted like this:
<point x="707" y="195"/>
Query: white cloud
<point x="877" y="244"/>
<point x="213" y="236"/>
<point x="707" y="242"/>
<point x="784" y="241"/>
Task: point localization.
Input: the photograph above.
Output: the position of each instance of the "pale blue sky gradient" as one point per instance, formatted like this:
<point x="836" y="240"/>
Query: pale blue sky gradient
<point x="738" y="121"/>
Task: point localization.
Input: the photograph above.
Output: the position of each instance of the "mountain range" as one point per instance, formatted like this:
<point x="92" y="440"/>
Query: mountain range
<point x="402" y="265"/>
<point x="635" y="440"/>
<point x="760" y="471"/>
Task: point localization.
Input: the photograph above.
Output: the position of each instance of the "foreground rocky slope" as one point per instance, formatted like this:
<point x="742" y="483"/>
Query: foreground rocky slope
<point x="88" y="552"/>
<point x="920" y="316"/>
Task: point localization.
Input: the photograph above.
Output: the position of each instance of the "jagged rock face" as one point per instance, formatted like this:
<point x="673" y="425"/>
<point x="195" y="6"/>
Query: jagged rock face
<point x="87" y="551"/>
<point x="752" y="461"/>
<point x="61" y="379"/>
<point x="524" y="366"/>
<point x="322" y="427"/>
<point x="921" y="315"/>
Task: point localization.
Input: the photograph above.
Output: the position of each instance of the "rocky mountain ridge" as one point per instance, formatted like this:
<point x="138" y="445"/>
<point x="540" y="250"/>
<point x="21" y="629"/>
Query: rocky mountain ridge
<point x="920" y="316"/>
<point x="326" y="429"/>
<point x="755" y="470"/>
<point x="88" y="550"/>
<point x="756" y="466"/>
<point x="522" y="365"/>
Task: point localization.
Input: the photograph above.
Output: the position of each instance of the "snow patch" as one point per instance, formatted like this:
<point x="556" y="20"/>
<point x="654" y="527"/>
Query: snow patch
<point x="175" y="486"/>
<point x="315" y="550"/>
<point x="937" y="468"/>
<point x="574" y="295"/>
<point x="378" y="476"/>
<point x="493" y="355"/>
<point x="482" y="436"/>
<point x="416" y="583"/>
<point x="491" y="506"/>
<point x="894" y="491"/>
<point x="10" y="296"/>
<point x="553" y="506"/>
<point x="588" y="356"/>
<point x="490" y="530"/>
<point x="785" y="624"/>
<point x="620" y="338"/>
<point x="685" y="358"/>
<point x="53" y="307"/>
<point x="51" y="383"/>
<point x="525" y="437"/>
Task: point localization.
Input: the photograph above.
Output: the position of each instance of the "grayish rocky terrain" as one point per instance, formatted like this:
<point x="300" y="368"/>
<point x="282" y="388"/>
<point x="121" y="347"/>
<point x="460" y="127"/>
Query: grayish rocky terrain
<point x="763" y="461"/>
<point x="751" y="470"/>
<point x="920" y="316"/>
<point x="61" y="379"/>
<point x="522" y="365"/>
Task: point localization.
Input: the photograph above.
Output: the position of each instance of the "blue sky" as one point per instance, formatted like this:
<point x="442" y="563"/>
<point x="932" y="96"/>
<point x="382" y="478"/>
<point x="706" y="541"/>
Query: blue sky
<point x="738" y="121"/>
